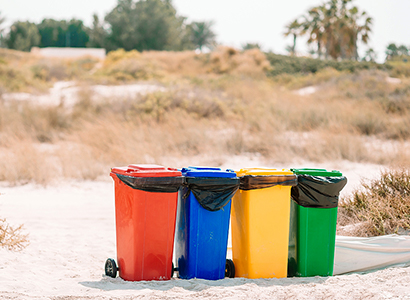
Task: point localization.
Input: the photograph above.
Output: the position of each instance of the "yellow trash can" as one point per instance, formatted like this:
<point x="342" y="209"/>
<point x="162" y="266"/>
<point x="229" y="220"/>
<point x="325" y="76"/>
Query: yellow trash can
<point x="260" y="222"/>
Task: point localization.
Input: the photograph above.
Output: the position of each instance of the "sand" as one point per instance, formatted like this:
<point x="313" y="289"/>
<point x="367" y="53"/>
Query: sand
<point x="71" y="228"/>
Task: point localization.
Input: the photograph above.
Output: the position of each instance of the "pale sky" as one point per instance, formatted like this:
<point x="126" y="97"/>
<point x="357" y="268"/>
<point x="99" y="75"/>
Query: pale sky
<point x="236" y="22"/>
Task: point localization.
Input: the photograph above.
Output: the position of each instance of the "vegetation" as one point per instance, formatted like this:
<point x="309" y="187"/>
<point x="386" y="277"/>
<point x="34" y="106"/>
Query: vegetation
<point x="380" y="207"/>
<point x="335" y="27"/>
<point x="62" y="34"/>
<point x="131" y="25"/>
<point x="23" y="36"/>
<point x="207" y="106"/>
<point x="220" y="102"/>
<point x="12" y="238"/>
<point x="283" y="64"/>
<point x="2" y="43"/>
<point x="394" y="52"/>
<point x="201" y="35"/>
<point x="144" y="25"/>
<point x="249" y="46"/>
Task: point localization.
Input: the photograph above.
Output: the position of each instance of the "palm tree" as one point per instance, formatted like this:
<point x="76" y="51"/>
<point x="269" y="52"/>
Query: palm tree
<point x="315" y="27"/>
<point x="294" y="28"/>
<point x="202" y="35"/>
<point x="329" y="20"/>
<point x="336" y="26"/>
<point x="359" y="32"/>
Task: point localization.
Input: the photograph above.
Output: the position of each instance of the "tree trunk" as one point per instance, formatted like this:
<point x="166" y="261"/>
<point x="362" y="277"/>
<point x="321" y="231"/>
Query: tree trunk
<point x="356" y="54"/>
<point x="342" y="48"/>
<point x="328" y="42"/>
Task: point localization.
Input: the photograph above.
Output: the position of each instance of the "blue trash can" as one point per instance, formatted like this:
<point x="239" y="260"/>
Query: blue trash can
<point x="202" y="226"/>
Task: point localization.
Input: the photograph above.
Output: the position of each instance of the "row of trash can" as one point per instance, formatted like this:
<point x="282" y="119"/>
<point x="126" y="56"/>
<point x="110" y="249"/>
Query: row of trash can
<point x="272" y="236"/>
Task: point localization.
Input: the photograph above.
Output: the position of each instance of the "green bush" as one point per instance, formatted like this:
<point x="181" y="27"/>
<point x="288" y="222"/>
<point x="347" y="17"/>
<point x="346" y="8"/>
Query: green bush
<point x="283" y="64"/>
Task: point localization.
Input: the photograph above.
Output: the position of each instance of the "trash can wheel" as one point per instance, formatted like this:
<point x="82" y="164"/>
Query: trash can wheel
<point x="111" y="268"/>
<point x="229" y="269"/>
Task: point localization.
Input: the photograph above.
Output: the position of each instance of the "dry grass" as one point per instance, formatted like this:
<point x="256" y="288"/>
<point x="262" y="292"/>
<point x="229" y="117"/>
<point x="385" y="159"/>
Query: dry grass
<point x="12" y="238"/>
<point x="380" y="207"/>
<point x="213" y="105"/>
<point x="25" y="72"/>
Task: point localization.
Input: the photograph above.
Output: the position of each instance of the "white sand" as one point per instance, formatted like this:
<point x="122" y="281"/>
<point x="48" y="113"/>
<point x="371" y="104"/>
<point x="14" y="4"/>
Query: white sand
<point x="67" y="93"/>
<point x="71" y="229"/>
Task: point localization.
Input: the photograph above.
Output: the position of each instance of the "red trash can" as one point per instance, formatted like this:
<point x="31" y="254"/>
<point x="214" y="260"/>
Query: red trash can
<point x="145" y="212"/>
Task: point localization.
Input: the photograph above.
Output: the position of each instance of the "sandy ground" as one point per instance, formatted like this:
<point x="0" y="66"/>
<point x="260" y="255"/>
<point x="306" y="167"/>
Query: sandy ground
<point x="67" y="93"/>
<point x="71" y="229"/>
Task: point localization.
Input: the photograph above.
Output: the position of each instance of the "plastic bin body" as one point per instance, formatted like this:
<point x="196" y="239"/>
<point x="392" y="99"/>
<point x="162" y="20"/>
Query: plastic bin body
<point x="202" y="235"/>
<point x="260" y="228"/>
<point x="313" y="234"/>
<point x="145" y="225"/>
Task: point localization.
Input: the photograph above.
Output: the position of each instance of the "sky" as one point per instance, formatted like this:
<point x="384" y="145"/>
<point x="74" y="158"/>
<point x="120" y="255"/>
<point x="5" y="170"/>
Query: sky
<point x="236" y="22"/>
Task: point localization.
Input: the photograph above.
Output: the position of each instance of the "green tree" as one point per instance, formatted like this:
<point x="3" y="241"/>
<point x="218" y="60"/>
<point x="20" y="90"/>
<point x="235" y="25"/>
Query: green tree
<point x="403" y="50"/>
<point x="2" y="43"/>
<point x="336" y="26"/>
<point x="144" y="25"/>
<point x="76" y="34"/>
<point x="62" y="33"/>
<point x="249" y="46"/>
<point x="394" y="51"/>
<point x="314" y="24"/>
<point x="370" y="55"/>
<point x="52" y="32"/>
<point x="23" y="36"/>
<point x="358" y="30"/>
<point x="294" y="28"/>
<point x="201" y="34"/>
<point x="97" y="34"/>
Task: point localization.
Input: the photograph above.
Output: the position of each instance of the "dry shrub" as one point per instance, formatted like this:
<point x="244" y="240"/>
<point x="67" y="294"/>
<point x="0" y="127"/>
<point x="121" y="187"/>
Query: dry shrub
<point x="50" y="69"/>
<point x="12" y="238"/>
<point x="23" y="162"/>
<point x="181" y="63"/>
<point x="381" y="206"/>
<point x="399" y="68"/>
<point x="23" y="120"/>
<point x="198" y="102"/>
<point x="228" y="60"/>
<point x="79" y="161"/>
<point x="26" y="72"/>
<point x="15" y="74"/>
<point x="123" y="66"/>
<point x="327" y="146"/>
<point x="297" y="81"/>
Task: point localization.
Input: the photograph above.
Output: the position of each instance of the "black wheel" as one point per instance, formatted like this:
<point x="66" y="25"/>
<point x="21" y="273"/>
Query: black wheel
<point x="229" y="269"/>
<point x="172" y="270"/>
<point x="111" y="268"/>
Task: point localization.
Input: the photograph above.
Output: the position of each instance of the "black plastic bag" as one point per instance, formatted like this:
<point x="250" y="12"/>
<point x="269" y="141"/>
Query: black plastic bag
<point x="318" y="191"/>
<point x="253" y="182"/>
<point x="212" y="193"/>
<point x="153" y="184"/>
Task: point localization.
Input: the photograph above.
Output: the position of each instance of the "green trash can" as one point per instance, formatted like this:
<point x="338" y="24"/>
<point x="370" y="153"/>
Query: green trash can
<point x="313" y="219"/>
